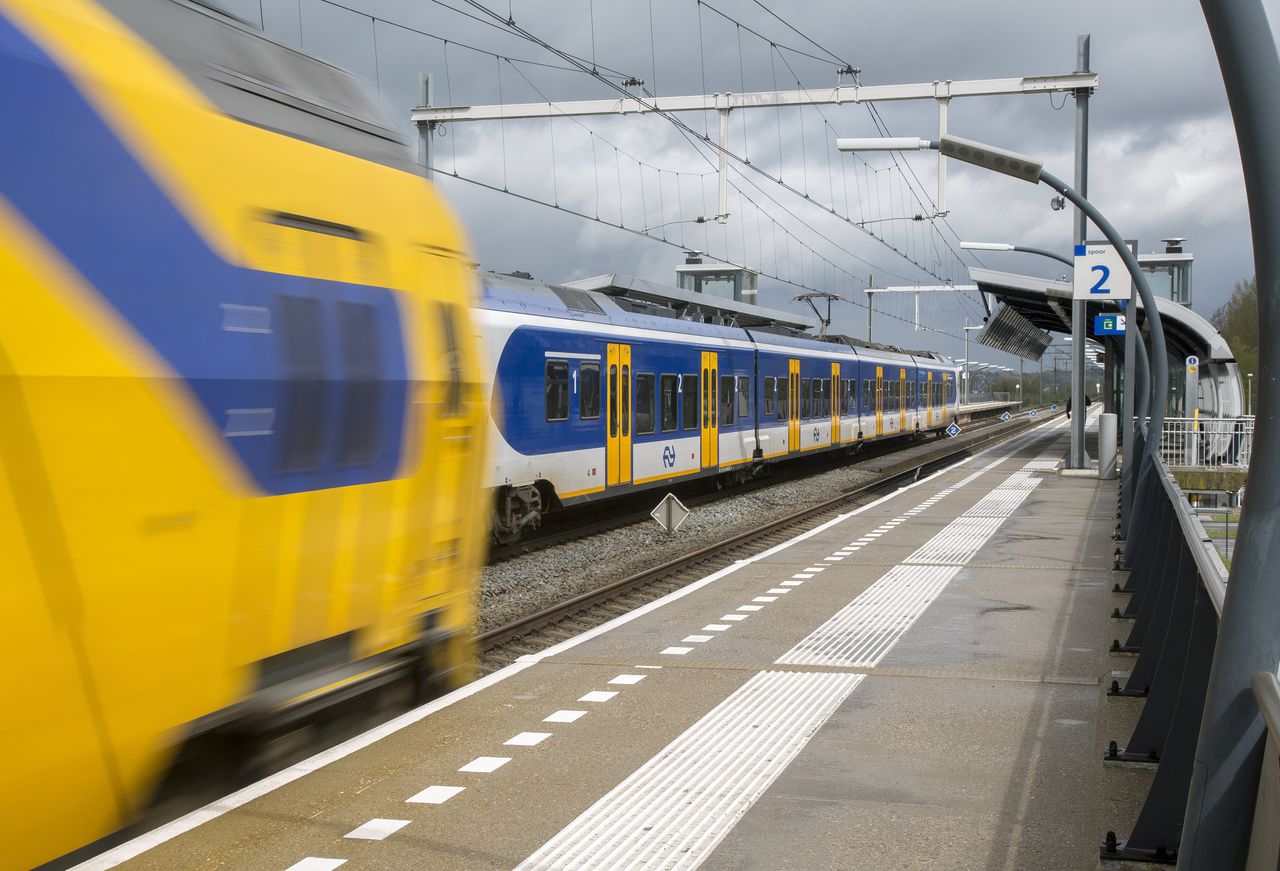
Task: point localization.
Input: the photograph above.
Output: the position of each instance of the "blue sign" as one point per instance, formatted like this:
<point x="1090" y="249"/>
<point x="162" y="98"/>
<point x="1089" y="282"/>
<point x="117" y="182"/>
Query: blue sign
<point x="953" y="430"/>
<point x="1053" y="407"/>
<point x="1031" y="413"/>
<point x="1006" y="417"/>
<point x="1108" y="325"/>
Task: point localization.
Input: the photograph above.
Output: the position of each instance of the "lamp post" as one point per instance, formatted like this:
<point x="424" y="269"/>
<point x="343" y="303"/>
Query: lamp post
<point x="1250" y="406"/>
<point x="1006" y="246"/>
<point x="1032" y="170"/>
<point x="967" y="329"/>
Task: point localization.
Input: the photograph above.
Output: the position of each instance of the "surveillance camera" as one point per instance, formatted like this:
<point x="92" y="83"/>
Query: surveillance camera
<point x="1057" y="204"/>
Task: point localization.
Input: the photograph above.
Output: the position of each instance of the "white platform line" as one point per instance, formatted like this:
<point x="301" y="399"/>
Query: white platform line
<point x="376" y="830"/>
<point x="141" y="844"/>
<point x="674" y="810"/>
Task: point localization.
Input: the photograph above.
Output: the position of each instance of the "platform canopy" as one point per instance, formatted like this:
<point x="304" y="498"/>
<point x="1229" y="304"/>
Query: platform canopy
<point x="1045" y="305"/>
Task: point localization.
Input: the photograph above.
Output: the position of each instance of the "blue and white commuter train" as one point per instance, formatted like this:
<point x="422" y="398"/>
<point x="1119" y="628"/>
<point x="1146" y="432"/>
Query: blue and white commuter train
<point x="594" y="396"/>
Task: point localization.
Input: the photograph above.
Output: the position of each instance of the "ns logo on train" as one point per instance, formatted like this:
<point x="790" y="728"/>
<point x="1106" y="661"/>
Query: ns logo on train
<point x="669" y="456"/>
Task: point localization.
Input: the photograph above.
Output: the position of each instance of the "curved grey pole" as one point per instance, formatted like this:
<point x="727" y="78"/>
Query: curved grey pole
<point x="1160" y="357"/>
<point x="1143" y="400"/>
<point x="1043" y="253"/>
<point x="1218" y="821"/>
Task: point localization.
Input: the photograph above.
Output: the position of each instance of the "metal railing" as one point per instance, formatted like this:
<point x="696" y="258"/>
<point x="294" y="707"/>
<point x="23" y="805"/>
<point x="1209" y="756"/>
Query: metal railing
<point x="1207" y="442"/>
<point x="1178" y="583"/>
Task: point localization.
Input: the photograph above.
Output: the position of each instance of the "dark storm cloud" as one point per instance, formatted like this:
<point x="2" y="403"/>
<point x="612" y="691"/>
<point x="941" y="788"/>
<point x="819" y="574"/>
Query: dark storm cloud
<point x="1162" y="147"/>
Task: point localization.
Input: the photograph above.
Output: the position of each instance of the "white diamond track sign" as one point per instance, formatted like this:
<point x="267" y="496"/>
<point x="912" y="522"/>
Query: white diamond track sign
<point x="953" y="430"/>
<point x="670" y="513"/>
<point x="1006" y="417"/>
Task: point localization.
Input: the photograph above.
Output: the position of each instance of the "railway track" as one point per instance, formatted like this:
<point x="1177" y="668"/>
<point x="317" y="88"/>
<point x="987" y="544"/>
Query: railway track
<point x="568" y="526"/>
<point x="537" y="631"/>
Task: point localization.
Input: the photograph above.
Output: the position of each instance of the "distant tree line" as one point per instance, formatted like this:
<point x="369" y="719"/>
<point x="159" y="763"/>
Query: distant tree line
<point x="1237" y="321"/>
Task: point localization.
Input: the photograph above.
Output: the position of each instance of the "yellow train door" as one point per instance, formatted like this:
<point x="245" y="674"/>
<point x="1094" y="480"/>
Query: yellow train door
<point x="902" y="400"/>
<point x="879" y="400"/>
<point x="793" y="408"/>
<point x="618" y="386"/>
<point x="835" y="403"/>
<point x="710" y="409"/>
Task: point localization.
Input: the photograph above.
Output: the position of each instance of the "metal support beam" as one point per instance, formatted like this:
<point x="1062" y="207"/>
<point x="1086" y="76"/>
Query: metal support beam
<point x="943" y="104"/>
<point x="722" y="215"/>
<point x="1070" y="82"/>
<point x="425" y="131"/>
<point x="1228" y="757"/>
<point x="1080" y="308"/>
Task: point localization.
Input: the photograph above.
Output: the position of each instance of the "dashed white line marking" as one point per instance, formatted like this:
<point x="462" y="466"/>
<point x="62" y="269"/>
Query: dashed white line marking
<point x="488" y="764"/>
<point x="804" y="576"/>
<point x="527" y="739"/>
<point x="314" y="863"/>
<point x="714" y="627"/>
<point x="696" y="639"/>
<point x="792" y="583"/>
<point x="816" y="569"/>
<point x="564" y="717"/>
<point x="676" y="651"/>
<point x="598" y="696"/>
<point x="674" y="810"/>
<point x="777" y="590"/>
<point x="765" y="599"/>
<point x="750" y="607"/>
<point x="833" y="559"/>
<point x="376" y="829"/>
<point x="435" y="795"/>
<point x="734" y="617"/>
<point x="627" y="679"/>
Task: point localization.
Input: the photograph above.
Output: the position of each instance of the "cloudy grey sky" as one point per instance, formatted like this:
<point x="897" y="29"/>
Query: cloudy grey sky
<point x="1163" y="159"/>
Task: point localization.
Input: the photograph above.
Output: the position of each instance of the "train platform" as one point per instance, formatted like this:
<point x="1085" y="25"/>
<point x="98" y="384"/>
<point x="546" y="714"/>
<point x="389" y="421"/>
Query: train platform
<point x="914" y="684"/>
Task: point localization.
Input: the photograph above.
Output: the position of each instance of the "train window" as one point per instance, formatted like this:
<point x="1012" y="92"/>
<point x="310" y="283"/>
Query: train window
<point x="304" y="392"/>
<point x="769" y="387"/>
<point x="362" y="389"/>
<point x="557" y="390"/>
<point x="744" y="396"/>
<point x="625" y="390"/>
<point x="452" y="357"/>
<point x="826" y="396"/>
<point x="588" y="391"/>
<point x="784" y="388"/>
<point x="706" y="402"/>
<point x="668" y="402"/>
<point x="715" y="375"/>
<point x="726" y="399"/>
<point x="689" y="401"/>
<point x="806" y="393"/>
<point x="644" y="403"/>
<point x="613" y="401"/>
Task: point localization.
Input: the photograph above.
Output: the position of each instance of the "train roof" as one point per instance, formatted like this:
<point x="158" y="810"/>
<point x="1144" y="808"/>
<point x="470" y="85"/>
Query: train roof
<point x="634" y="302"/>
<point x="261" y="81"/>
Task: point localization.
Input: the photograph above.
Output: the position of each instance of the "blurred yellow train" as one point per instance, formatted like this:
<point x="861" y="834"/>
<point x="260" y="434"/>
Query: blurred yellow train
<point x="240" y="411"/>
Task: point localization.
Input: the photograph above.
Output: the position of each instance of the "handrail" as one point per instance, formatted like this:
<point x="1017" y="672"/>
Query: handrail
<point x="1209" y="565"/>
<point x="1266" y="689"/>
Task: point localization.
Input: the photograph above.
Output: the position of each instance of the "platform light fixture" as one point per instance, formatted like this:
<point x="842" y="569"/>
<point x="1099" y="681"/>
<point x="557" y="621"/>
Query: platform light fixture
<point x="1032" y="170"/>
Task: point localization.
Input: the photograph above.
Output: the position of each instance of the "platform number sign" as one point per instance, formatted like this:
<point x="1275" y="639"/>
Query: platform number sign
<point x="953" y="430"/>
<point x="1031" y="413"/>
<point x="1100" y="273"/>
<point x="1006" y="417"/>
<point x="1053" y="407"/>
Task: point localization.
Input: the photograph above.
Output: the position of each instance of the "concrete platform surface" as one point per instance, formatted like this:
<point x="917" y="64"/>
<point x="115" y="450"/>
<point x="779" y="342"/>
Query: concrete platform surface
<point x="915" y="684"/>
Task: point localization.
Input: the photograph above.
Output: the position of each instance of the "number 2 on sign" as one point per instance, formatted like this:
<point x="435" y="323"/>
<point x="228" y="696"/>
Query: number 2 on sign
<point x="1102" y="280"/>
